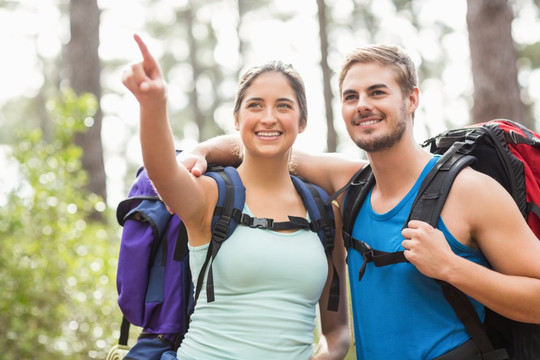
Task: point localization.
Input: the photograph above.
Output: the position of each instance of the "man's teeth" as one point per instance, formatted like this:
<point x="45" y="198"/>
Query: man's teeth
<point x="370" y="122"/>
<point x="268" y="134"/>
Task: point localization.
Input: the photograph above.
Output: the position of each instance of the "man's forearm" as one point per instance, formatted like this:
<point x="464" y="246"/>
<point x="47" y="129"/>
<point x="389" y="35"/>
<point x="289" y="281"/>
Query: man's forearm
<point x="223" y="150"/>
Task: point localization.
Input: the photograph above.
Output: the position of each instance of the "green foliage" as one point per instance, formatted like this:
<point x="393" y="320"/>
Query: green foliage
<point x="56" y="268"/>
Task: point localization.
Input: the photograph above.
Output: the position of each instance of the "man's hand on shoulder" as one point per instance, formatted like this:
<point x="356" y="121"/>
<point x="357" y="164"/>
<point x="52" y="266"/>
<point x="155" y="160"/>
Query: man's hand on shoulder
<point x="193" y="162"/>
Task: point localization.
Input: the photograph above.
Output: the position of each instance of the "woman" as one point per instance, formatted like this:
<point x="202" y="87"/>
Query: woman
<point x="267" y="283"/>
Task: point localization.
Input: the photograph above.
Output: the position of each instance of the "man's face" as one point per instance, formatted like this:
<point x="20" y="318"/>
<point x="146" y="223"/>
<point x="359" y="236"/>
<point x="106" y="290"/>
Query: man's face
<point x="375" y="112"/>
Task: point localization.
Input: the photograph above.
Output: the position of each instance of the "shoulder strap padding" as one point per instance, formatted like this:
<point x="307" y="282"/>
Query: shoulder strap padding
<point x="359" y="185"/>
<point x="231" y="196"/>
<point x="434" y="190"/>
<point x="322" y="216"/>
<point x="231" y="199"/>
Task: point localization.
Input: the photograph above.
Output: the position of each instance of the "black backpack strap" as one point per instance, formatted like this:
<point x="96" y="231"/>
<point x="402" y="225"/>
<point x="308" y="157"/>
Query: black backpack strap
<point x="358" y="189"/>
<point x="124" y="332"/>
<point x="359" y="185"/>
<point x="533" y="208"/>
<point x="435" y="188"/>
<point x="181" y="247"/>
<point x="231" y="199"/>
<point x="466" y="313"/>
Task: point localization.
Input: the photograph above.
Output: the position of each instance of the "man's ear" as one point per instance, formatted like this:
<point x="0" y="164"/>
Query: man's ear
<point x="413" y="100"/>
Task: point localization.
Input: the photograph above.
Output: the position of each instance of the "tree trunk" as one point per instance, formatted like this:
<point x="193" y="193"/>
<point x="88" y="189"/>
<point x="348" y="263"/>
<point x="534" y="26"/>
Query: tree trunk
<point x="84" y="76"/>
<point x="331" y="137"/>
<point x="493" y="59"/>
<point x="189" y="20"/>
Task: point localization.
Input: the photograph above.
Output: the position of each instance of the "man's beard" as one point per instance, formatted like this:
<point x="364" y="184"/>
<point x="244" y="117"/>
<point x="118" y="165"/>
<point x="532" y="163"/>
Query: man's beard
<point x="385" y="142"/>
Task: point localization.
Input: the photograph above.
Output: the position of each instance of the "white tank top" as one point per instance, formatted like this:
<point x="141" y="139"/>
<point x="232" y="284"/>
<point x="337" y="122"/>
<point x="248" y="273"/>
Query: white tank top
<point x="267" y="285"/>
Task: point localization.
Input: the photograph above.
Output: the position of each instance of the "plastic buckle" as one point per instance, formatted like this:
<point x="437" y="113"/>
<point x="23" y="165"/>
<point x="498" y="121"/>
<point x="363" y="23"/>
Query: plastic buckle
<point x="364" y="247"/>
<point x="262" y="223"/>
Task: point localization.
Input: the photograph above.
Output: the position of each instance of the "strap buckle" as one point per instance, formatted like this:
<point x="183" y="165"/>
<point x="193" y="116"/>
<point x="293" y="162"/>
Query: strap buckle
<point x="261" y="223"/>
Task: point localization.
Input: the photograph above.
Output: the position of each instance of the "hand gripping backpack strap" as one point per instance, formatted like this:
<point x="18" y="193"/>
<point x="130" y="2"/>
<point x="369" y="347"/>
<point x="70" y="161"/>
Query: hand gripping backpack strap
<point x="432" y="193"/>
<point x="427" y="207"/>
<point x="322" y="222"/>
<point x="231" y="199"/>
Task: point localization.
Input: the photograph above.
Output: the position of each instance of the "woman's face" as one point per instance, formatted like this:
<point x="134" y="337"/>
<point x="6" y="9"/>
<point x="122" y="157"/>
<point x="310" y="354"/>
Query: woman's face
<point x="269" y="116"/>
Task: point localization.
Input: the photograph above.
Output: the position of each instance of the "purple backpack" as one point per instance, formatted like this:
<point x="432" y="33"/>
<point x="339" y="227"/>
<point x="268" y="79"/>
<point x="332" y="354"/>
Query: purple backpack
<point x="153" y="277"/>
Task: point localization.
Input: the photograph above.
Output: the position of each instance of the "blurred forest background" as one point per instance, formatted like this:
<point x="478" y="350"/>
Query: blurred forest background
<point x="69" y="146"/>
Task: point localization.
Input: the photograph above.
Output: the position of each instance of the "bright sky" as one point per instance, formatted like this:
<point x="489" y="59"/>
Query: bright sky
<point x="294" y="41"/>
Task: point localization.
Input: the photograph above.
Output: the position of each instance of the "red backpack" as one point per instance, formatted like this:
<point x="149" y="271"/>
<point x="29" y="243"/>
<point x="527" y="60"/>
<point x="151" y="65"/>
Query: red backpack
<point x="509" y="153"/>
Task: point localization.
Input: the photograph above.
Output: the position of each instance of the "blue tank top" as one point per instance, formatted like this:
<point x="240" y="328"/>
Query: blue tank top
<point x="398" y="312"/>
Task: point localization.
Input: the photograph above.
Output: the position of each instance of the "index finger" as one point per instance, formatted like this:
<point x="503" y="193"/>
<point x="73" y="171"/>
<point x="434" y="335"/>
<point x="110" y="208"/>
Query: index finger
<point x="147" y="56"/>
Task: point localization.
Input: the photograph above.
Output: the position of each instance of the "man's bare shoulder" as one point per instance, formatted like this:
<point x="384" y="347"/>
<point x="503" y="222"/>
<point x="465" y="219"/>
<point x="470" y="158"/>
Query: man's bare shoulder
<point x="476" y="204"/>
<point x="472" y="184"/>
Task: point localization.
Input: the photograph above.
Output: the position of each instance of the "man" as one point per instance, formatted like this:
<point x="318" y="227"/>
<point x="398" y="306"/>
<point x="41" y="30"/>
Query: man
<point x="399" y="311"/>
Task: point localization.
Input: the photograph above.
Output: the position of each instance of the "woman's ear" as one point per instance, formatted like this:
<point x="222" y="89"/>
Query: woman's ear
<point x="301" y="128"/>
<point x="236" y="125"/>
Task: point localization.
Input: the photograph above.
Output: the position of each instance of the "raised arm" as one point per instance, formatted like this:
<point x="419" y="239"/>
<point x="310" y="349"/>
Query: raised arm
<point x="174" y="183"/>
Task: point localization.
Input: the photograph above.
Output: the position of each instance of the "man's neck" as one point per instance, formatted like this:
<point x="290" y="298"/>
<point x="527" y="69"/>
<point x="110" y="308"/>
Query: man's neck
<point x="396" y="170"/>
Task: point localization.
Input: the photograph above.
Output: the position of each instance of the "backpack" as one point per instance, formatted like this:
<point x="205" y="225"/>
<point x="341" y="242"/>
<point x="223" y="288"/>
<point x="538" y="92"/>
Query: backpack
<point x="153" y="276"/>
<point x="502" y="149"/>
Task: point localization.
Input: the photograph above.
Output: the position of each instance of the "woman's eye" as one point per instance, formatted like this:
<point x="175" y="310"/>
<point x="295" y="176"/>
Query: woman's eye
<point x="284" y="105"/>
<point x="254" y="105"/>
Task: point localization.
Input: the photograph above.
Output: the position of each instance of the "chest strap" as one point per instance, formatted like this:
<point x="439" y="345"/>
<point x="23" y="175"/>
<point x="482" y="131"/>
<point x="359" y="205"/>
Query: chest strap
<point x="378" y="257"/>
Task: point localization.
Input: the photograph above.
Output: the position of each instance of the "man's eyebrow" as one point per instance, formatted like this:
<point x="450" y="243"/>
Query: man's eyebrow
<point x="349" y="91"/>
<point x="377" y="86"/>
<point x="370" y="88"/>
